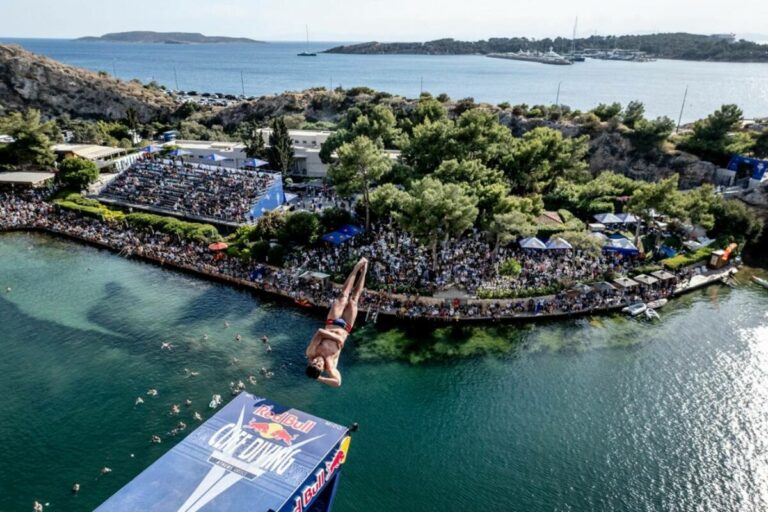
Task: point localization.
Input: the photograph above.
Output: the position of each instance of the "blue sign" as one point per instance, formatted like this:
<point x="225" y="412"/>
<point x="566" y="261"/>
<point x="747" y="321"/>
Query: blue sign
<point x="272" y="198"/>
<point x="759" y="167"/>
<point x="254" y="455"/>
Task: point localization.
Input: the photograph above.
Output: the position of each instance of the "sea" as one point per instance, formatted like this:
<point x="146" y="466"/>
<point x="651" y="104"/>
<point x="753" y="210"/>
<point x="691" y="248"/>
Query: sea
<point x="272" y="68"/>
<point x="597" y="414"/>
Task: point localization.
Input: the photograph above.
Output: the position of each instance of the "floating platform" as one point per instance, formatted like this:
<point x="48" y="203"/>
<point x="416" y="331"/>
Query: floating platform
<point x="253" y="455"/>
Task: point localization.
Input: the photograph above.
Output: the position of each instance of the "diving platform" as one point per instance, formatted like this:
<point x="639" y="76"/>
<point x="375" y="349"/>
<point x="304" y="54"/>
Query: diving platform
<point x="252" y="455"/>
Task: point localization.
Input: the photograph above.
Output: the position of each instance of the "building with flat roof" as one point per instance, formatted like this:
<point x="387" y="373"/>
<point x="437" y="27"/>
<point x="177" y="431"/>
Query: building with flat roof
<point x="25" y="179"/>
<point x="102" y="156"/>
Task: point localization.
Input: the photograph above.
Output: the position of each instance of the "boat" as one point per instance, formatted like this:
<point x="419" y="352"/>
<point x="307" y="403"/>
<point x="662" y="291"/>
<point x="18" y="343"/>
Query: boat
<point x="656" y="304"/>
<point x="651" y="314"/>
<point x="549" y="57"/>
<point x="761" y="282"/>
<point x="635" y="309"/>
<point x="307" y="53"/>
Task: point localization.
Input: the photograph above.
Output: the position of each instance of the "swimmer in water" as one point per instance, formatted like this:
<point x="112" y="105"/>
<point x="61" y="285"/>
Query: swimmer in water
<point x="175" y="409"/>
<point x="156" y="439"/>
<point x="252" y="379"/>
<point x="166" y="345"/>
<point x="197" y="417"/>
<point x="105" y="470"/>
<point x="37" y="507"/>
<point x="187" y="402"/>
<point x="152" y="392"/>
<point x="76" y="488"/>
<point x="238" y="337"/>
<point x="139" y="401"/>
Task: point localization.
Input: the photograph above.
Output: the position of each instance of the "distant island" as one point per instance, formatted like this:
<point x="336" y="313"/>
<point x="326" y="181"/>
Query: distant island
<point x="166" y="38"/>
<point x="681" y="46"/>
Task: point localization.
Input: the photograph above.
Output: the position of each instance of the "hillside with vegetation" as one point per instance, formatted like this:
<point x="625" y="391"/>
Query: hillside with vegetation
<point x="681" y="46"/>
<point x="29" y="80"/>
<point x="143" y="36"/>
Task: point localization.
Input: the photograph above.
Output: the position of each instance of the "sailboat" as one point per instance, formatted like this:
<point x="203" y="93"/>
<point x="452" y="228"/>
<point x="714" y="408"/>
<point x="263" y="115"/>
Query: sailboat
<point x="307" y="53"/>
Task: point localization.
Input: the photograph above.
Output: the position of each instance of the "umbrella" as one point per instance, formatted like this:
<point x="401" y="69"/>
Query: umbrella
<point x="215" y="157"/>
<point x="627" y="218"/>
<point x="351" y="230"/>
<point x="254" y="162"/>
<point x="218" y="246"/>
<point x="558" y="243"/>
<point x="532" y="243"/>
<point x="179" y="152"/>
<point x="335" y="238"/>
<point x="620" y="245"/>
<point x="607" y="218"/>
<point x="152" y="149"/>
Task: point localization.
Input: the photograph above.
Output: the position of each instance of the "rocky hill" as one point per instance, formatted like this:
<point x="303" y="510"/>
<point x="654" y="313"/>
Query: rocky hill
<point x="144" y="36"/>
<point x="28" y="80"/>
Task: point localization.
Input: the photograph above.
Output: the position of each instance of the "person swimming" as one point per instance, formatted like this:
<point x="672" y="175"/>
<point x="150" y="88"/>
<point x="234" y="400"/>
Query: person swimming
<point x="152" y="392"/>
<point x="138" y="401"/>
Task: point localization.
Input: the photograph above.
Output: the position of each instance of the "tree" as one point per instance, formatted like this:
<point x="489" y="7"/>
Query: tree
<point x="430" y="144"/>
<point x="386" y="200"/>
<point x="760" y="147"/>
<point x="301" y="228"/>
<point x="377" y="123"/>
<point x="77" y="173"/>
<point x="280" y="153"/>
<point x="633" y="113"/>
<point x="647" y="135"/>
<point x="436" y="211"/>
<point x="583" y="241"/>
<point x="710" y="137"/>
<point x="33" y="140"/>
<point x="698" y="204"/>
<point x="535" y="160"/>
<point x="663" y="196"/>
<point x="360" y="164"/>
<point x="734" y="219"/>
<point x="253" y="139"/>
<point x="607" y="112"/>
<point x="507" y="227"/>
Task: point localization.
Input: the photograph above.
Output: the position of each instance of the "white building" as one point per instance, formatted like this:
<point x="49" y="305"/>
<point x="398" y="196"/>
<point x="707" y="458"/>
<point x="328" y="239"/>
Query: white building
<point x="306" y="148"/>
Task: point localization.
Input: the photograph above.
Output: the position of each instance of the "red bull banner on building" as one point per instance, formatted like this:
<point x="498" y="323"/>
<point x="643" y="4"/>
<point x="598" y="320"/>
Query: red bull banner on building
<point x="254" y="455"/>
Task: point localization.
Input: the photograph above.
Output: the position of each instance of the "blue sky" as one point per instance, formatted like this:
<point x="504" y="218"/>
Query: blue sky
<point x="382" y="20"/>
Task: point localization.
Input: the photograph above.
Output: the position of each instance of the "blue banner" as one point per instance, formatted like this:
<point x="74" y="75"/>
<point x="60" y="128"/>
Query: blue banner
<point x="272" y="198"/>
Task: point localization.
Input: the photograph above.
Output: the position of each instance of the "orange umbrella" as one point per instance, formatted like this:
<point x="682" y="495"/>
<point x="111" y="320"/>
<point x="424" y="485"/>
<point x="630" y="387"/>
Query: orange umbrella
<point x="218" y="246"/>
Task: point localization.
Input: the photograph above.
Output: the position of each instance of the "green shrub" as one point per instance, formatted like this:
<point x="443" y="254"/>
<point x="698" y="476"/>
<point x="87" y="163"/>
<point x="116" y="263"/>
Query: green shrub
<point x="683" y="260"/>
<point x="172" y="226"/>
<point x="89" y="207"/>
<point x="260" y="251"/>
<point x="510" y="267"/>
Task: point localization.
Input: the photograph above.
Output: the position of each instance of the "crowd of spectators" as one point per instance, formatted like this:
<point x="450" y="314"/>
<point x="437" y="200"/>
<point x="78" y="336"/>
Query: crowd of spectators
<point x="203" y="192"/>
<point x="401" y="263"/>
<point x="31" y="211"/>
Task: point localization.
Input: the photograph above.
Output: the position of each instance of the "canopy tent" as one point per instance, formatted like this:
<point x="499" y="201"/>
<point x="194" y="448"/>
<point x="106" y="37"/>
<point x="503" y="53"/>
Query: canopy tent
<point x="151" y="149"/>
<point x="663" y="275"/>
<point x="558" y="244"/>
<point x="646" y="280"/>
<point x="215" y="157"/>
<point x="350" y="229"/>
<point x="532" y="243"/>
<point x="254" y="162"/>
<point x="218" y="246"/>
<point x="600" y="236"/>
<point x="607" y="218"/>
<point x="583" y="289"/>
<point x="179" y="152"/>
<point x="620" y="245"/>
<point x="342" y="234"/>
<point x="335" y="237"/>
<point x="625" y="282"/>
<point x="692" y="245"/>
<point x="667" y="251"/>
<point x="627" y="218"/>
<point x="603" y="286"/>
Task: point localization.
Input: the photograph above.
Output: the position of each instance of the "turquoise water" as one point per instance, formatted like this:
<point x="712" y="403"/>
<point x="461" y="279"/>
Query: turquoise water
<point x="274" y="68"/>
<point x="610" y="415"/>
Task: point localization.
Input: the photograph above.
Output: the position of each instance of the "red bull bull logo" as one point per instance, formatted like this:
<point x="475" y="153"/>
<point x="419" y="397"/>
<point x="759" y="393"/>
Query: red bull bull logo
<point x="273" y="431"/>
<point x="287" y="419"/>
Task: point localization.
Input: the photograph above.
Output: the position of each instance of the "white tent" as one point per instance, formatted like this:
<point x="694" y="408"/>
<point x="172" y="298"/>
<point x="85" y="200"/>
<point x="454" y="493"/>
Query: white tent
<point x="627" y="218"/>
<point x="607" y="218"/>
<point x="532" y="243"/>
<point x="558" y="243"/>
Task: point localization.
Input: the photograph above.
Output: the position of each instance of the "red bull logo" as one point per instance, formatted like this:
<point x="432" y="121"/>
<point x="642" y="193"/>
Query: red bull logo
<point x="273" y="431"/>
<point x="287" y="419"/>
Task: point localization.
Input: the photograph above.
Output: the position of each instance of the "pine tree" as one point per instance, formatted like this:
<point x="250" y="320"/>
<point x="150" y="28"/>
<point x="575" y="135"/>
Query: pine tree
<point x="280" y="152"/>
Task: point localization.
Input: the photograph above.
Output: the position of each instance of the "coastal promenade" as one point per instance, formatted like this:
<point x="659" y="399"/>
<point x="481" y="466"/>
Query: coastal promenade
<point x="473" y="310"/>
